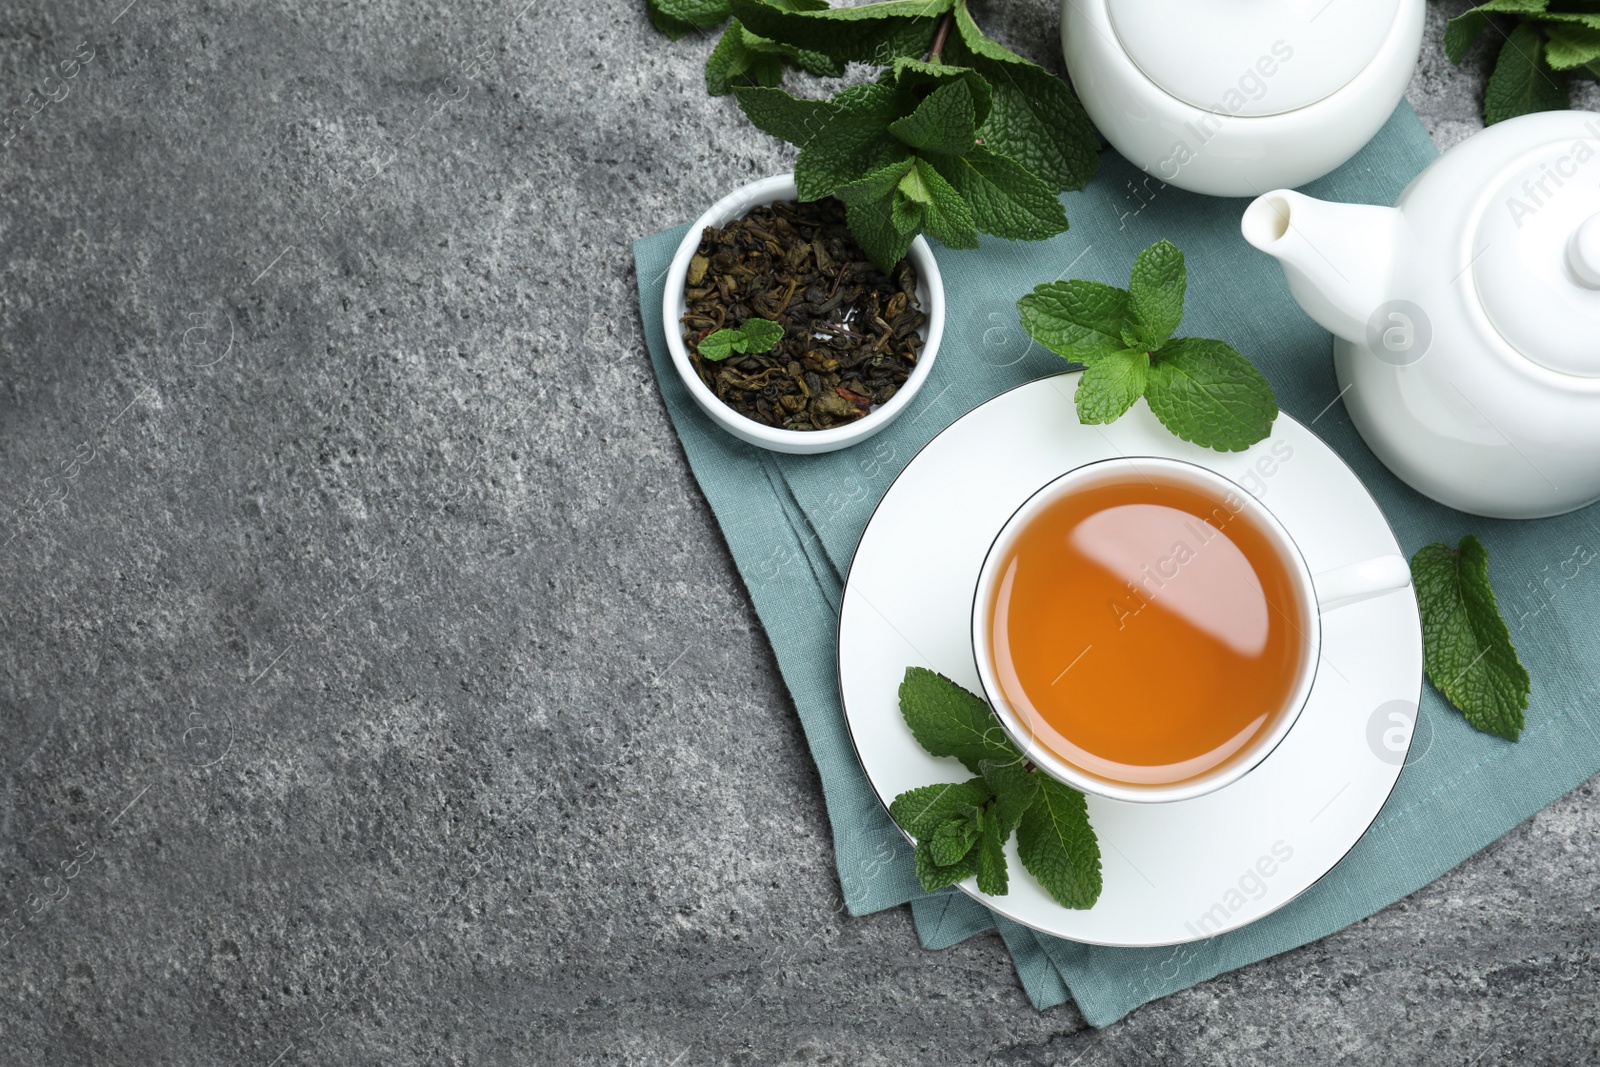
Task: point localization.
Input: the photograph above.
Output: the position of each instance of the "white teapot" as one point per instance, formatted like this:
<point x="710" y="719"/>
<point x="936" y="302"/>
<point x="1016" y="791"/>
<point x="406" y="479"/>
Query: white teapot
<point x="1466" y="320"/>
<point x="1234" y="97"/>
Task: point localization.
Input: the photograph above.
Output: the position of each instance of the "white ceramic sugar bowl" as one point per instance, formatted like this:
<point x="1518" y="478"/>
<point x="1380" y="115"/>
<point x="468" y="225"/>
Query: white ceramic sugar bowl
<point x="1235" y="97"/>
<point x="1466" y="320"/>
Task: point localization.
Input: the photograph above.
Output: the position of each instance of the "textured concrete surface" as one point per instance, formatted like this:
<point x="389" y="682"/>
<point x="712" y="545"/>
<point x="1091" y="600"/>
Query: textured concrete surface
<point x="374" y="685"/>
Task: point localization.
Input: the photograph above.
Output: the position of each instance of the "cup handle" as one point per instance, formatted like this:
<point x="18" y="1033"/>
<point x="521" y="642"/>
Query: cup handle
<point x="1356" y="582"/>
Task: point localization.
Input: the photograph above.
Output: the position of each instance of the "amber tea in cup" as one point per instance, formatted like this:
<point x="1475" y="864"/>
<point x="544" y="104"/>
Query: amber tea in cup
<point x="1147" y="624"/>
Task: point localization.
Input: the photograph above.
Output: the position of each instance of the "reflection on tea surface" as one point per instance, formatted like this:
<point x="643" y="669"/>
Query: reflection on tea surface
<point x="1145" y="631"/>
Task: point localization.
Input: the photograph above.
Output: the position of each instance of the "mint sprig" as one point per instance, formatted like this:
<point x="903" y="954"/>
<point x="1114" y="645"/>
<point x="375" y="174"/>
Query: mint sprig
<point x="957" y="136"/>
<point x="1538" y="56"/>
<point x="961" y="828"/>
<point x="756" y="335"/>
<point x="1203" y="391"/>
<point x="1466" y="645"/>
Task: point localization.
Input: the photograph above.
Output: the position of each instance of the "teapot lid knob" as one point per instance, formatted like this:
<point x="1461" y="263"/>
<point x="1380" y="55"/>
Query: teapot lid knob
<point x="1583" y="252"/>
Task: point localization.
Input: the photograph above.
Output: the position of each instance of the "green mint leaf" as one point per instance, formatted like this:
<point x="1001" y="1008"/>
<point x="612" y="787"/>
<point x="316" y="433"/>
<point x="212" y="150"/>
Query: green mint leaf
<point x="1466" y="645"/>
<point x="1207" y="393"/>
<point x="1461" y="32"/>
<point x="1077" y="319"/>
<point x="911" y="75"/>
<point x="941" y="211"/>
<point x="760" y="334"/>
<point x="1571" y="46"/>
<point x="1015" y="788"/>
<point x="943" y="123"/>
<point x="1110" y="384"/>
<point x="979" y="44"/>
<point x="677" y="18"/>
<point x="990" y="860"/>
<point x="1549" y="18"/>
<point x="883" y="229"/>
<point x="1155" y="296"/>
<point x="919" y="812"/>
<point x="852" y="141"/>
<point x="1037" y="122"/>
<point x="947" y="720"/>
<point x="934" y="877"/>
<point x="840" y="140"/>
<point x="906" y="214"/>
<point x="1058" y="846"/>
<point x="876" y="216"/>
<point x="785" y="117"/>
<point x="1006" y="200"/>
<point x="873" y="33"/>
<point x="1522" y="81"/>
<point x="734" y="62"/>
<point x="955" y="837"/>
<point x="720" y="345"/>
<point x="810" y="62"/>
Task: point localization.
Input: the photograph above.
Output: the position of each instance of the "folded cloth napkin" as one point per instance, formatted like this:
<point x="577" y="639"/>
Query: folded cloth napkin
<point x="793" y="523"/>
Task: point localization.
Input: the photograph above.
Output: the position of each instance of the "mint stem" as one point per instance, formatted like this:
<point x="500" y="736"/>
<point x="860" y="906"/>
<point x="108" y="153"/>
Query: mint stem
<point x="940" y="36"/>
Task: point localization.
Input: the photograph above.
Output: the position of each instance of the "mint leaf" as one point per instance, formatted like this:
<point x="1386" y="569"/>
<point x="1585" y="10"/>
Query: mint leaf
<point x="1461" y="32"/>
<point x="760" y="334"/>
<point x="943" y="123"/>
<point x="947" y="720"/>
<point x="1522" y="81"/>
<point x="720" y="345"/>
<point x="1037" y="122"/>
<point x="1015" y="788"/>
<point x="933" y="876"/>
<point x="1110" y="384"/>
<point x="1005" y="199"/>
<point x="840" y="140"/>
<point x="940" y="209"/>
<point x="1058" y="846"/>
<point x="733" y="62"/>
<point x="756" y="335"/>
<point x="1076" y="320"/>
<point x="870" y="211"/>
<point x="676" y="18"/>
<point x="1207" y="393"/>
<point x="1155" y="296"/>
<point x="912" y="75"/>
<point x="852" y="140"/>
<point x="785" y="117"/>
<point x="979" y="44"/>
<point x="990" y="859"/>
<point x="1465" y="642"/>
<point x="919" y="812"/>
<point x="955" y="836"/>
<point x="873" y="33"/>
<point x="1549" y="18"/>
<point x="1571" y="46"/>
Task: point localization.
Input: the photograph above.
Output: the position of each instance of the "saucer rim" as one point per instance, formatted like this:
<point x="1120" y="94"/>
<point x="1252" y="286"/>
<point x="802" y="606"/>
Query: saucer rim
<point x="970" y="890"/>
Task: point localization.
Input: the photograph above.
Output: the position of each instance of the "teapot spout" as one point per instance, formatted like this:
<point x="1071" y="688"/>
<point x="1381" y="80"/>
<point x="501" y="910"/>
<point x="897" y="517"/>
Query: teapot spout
<point x="1337" y="257"/>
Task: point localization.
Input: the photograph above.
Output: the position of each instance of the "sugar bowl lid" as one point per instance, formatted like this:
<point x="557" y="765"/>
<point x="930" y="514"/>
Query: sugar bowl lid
<point x="1252" y="57"/>
<point x="1536" y="255"/>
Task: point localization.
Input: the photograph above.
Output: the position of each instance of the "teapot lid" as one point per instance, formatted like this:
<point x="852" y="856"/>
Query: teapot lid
<point x="1537" y="257"/>
<point x="1252" y="57"/>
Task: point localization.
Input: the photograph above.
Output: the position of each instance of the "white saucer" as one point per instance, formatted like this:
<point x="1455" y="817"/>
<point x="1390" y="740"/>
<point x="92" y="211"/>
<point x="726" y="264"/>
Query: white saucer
<point x="1173" y="872"/>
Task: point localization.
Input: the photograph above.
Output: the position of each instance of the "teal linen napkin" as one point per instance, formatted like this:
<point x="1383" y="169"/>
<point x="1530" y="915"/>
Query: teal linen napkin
<point x="793" y="522"/>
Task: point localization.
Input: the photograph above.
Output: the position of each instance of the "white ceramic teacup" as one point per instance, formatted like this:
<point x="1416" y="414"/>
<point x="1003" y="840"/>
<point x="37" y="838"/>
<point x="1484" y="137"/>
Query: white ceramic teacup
<point x="1315" y="595"/>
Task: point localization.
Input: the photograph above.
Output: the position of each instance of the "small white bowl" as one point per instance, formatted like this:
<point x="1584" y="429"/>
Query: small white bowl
<point x="930" y="288"/>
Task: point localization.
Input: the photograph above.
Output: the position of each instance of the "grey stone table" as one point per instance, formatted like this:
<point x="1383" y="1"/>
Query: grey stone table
<point x="375" y="687"/>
